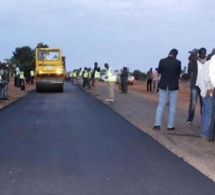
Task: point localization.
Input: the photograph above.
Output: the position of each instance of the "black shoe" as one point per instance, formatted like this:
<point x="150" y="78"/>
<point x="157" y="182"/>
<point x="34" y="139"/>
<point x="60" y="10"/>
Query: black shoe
<point x="171" y="129"/>
<point x="156" y="127"/>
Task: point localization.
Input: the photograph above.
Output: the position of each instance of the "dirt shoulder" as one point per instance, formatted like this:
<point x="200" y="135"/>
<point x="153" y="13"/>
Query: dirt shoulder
<point x="15" y="93"/>
<point x="139" y="107"/>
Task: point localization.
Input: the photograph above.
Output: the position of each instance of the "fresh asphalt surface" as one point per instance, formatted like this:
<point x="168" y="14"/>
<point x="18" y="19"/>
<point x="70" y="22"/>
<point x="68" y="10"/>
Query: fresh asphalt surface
<point x="71" y="144"/>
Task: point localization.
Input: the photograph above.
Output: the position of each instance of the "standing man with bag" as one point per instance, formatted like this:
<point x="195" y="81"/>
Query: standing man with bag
<point x="111" y="79"/>
<point x="170" y="69"/>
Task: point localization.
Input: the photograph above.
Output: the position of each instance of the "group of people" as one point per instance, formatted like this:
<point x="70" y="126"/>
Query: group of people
<point x="123" y="80"/>
<point x="90" y="77"/>
<point x="152" y="78"/>
<point x="4" y="81"/>
<point x="86" y="77"/>
<point x="20" y="77"/>
<point x="201" y="69"/>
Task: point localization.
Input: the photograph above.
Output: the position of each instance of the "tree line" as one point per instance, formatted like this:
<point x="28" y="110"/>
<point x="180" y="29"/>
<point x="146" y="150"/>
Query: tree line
<point x="24" y="57"/>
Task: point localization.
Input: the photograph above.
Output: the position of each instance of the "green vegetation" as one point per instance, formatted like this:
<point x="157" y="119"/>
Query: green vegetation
<point x="24" y="57"/>
<point x="138" y="75"/>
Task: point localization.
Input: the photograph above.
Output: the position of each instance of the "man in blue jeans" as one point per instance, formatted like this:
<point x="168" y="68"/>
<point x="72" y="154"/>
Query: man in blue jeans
<point x="194" y="68"/>
<point x="170" y="69"/>
<point x="206" y="88"/>
<point x="212" y="79"/>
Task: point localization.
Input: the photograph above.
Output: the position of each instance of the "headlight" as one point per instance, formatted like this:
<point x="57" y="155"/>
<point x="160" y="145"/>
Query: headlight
<point x="40" y="72"/>
<point x="59" y="71"/>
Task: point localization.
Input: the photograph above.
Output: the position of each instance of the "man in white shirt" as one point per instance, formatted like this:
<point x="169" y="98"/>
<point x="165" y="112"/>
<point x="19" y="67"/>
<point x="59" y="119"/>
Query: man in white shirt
<point x="212" y="78"/>
<point x="155" y="79"/>
<point x="194" y="68"/>
<point x="206" y="88"/>
<point x="17" y="80"/>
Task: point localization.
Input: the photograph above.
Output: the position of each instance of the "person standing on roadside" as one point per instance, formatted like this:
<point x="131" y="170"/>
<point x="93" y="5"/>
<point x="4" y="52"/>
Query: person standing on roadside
<point x="155" y="79"/>
<point x="170" y="69"/>
<point x="124" y="80"/>
<point x="85" y="76"/>
<point x="206" y="89"/>
<point x="80" y="73"/>
<point x="149" y="80"/>
<point x="212" y="79"/>
<point x="17" y="79"/>
<point x="32" y="76"/>
<point x="7" y="75"/>
<point x="89" y="78"/>
<point x="194" y="68"/>
<point x="110" y="79"/>
<point x="4" y="77"/>
<point x="95" y="76"/>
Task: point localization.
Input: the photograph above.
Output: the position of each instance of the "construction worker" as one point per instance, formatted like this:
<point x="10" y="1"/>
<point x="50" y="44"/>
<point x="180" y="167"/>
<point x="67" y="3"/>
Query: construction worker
<point x="17" y="80"/>
<point x="22" y="79"/>
<point x="74" y="76"/>
<point x="110" y="79"/>
<point x="32" y="77"/>
<point x="89" y="78"/>
<point x="96" y="75"/>
<point x="70" y="75"/>
<point x="80" y="74"/>
<point x="85" y="76"/>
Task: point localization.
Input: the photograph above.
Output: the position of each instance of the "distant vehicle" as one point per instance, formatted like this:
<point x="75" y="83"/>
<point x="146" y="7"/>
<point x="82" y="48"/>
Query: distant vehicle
<point x="50" y="69"/>
<point x="130" y="78"/>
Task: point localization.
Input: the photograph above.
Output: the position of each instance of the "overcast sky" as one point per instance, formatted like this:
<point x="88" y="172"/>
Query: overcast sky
<point x="133" y="33"/>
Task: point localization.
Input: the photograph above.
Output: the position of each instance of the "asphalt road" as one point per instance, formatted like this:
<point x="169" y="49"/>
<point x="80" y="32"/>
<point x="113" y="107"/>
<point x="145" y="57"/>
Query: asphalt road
<point x="71" y="144"/>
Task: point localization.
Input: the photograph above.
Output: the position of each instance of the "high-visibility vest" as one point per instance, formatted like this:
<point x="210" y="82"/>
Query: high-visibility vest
<point x="32" y="73"/>
<point x="111" y="77"/>
<point x="97" y="75"/>
<point x="74" y="74"/>
<point x="80" y="73"/>
<point x="89" y="74"/>
<point x="21" y="75"/>
<point x="85" y="74"/>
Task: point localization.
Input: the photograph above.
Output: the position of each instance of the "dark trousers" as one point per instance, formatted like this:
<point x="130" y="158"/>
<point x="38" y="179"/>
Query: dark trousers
<point x="89" y="83"/>
<point x="84" y="82"/>
<point x="17" y="80"/>
<point x="32" y="80"/>
<point x="93" y="82"/>
<point x="194" y="93"/>
<point x="212" y="126"/>
<point x="149" y="84"/>
<point x="124" y="85"/>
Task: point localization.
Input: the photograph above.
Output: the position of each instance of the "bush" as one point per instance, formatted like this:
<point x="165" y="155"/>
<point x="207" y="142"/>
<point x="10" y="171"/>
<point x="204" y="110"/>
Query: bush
<point x="138" y="75"/>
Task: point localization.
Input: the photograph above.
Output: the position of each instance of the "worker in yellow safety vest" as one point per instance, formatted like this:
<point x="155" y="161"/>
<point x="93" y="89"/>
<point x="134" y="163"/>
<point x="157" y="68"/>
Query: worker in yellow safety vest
<point x="85" y="76"/>
<point x="22" y="78"/>
<point x="80" y="74"/>
<point x="110" y="79"/>
<point x="70" y="75"/>
<point x="32" y="77"/>
<point x="89" y="78"/>
<point x="74" y="76"/>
